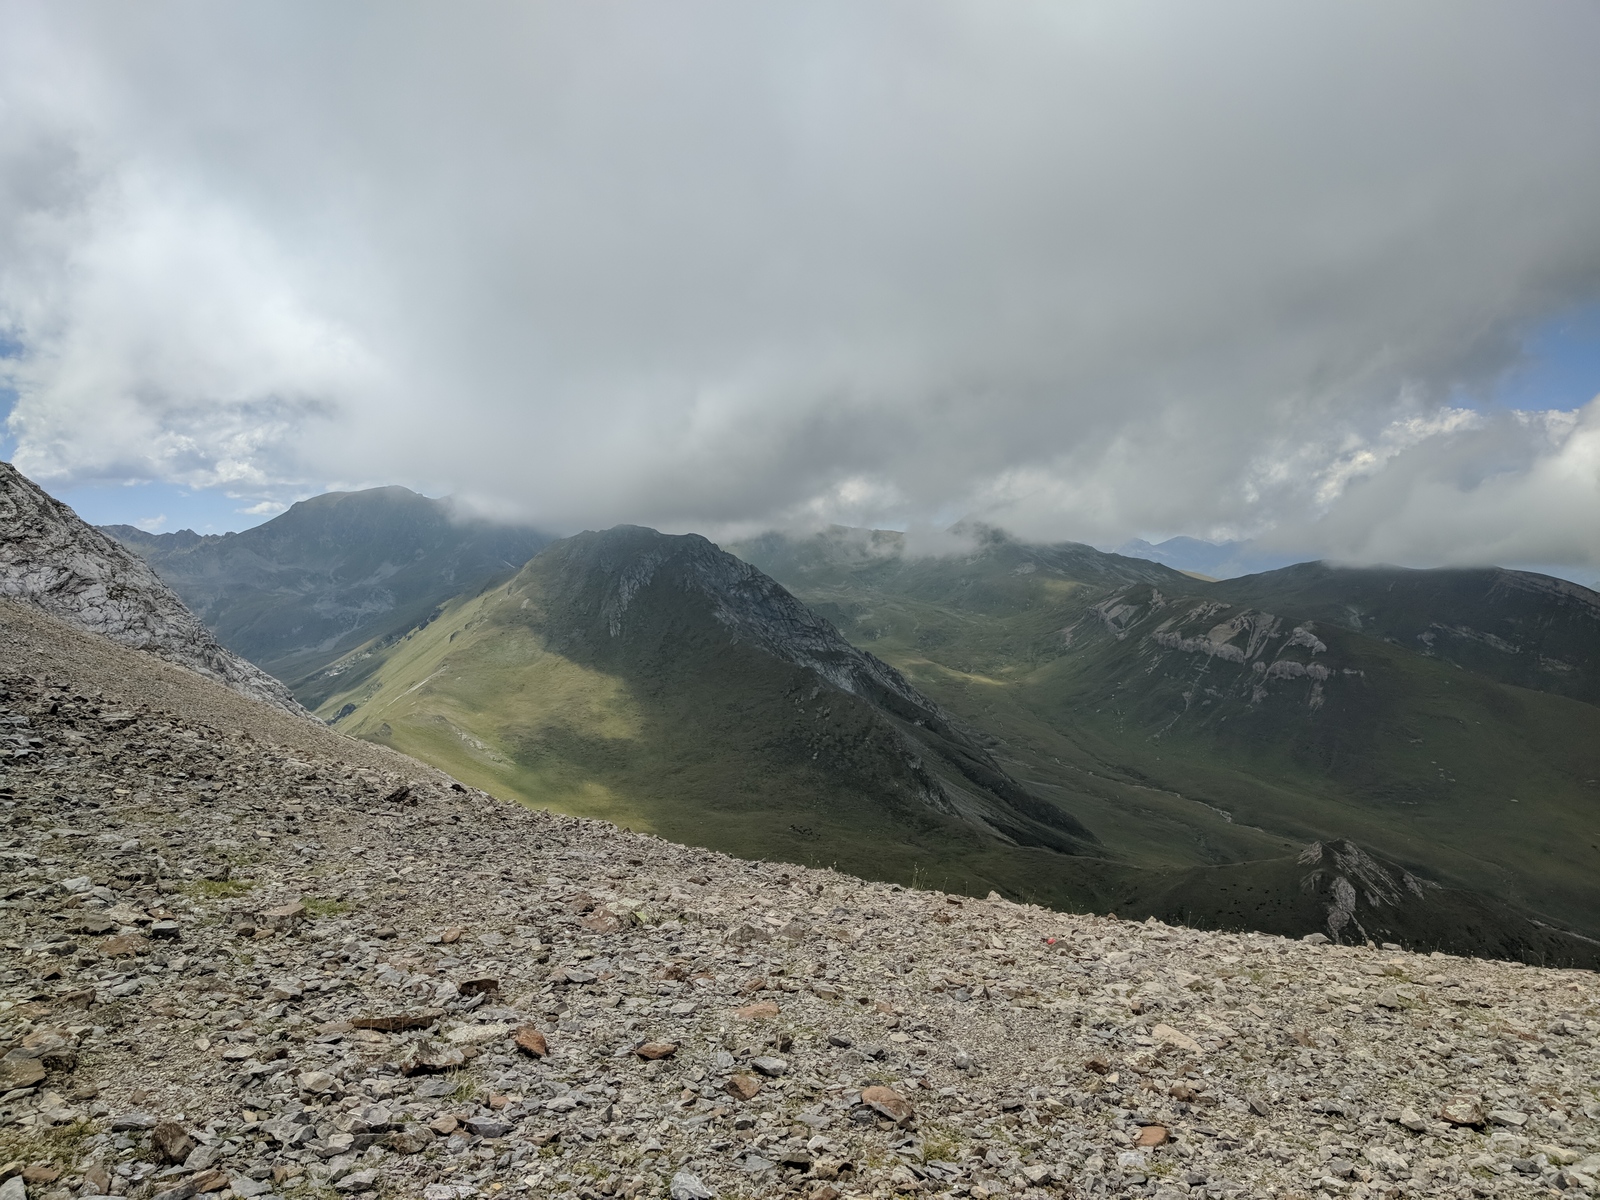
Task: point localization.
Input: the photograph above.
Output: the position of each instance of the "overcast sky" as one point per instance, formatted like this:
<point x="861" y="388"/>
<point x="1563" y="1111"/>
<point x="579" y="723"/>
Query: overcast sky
<point x="1092" y="270"/>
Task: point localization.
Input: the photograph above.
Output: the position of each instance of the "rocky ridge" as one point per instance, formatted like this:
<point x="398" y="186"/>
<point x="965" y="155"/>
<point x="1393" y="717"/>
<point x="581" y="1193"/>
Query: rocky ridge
<point x="52" y="559"/>
<point x="248" y="957"/>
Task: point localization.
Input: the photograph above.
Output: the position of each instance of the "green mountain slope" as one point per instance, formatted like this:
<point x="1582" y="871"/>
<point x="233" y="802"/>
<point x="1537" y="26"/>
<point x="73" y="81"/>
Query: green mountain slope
<point x="1238" y="714"/>
<point x="660" y="683"/>
<point x="332" y="572"/>
<point x="663" y="684"/>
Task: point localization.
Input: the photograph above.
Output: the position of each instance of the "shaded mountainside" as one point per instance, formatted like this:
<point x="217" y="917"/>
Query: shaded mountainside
<point x="1531" y="630"/>
<point x="331" y="573"/>
<point x="52" y="559"/>
<point x="663" y="683"/>
<point x="1204" y="713"/>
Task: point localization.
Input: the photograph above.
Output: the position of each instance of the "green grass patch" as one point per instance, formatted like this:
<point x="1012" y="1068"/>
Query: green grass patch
<point x="325" y="906"/>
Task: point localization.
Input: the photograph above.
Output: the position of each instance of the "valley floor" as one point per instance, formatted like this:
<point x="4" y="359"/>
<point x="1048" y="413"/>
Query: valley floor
<point x="248" y="957"/>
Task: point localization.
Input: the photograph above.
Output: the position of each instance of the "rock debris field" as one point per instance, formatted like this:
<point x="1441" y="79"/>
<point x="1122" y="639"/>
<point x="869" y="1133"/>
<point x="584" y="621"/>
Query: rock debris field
<point x="247" y="956"/>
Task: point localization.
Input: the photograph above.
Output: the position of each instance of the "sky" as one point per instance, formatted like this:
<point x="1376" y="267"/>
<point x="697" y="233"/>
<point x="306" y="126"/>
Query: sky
<point x="1325" y="276"/>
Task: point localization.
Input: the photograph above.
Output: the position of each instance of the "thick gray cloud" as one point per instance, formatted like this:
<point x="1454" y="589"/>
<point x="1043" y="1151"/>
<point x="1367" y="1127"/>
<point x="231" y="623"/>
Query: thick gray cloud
<point x="1091" y="270"/>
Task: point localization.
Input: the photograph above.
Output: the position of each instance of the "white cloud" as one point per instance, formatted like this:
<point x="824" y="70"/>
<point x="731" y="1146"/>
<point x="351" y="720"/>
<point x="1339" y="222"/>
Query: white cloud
<point x="151" y="524"/>
<point x="1091" y="271"/>
<point x="265" y="508"/>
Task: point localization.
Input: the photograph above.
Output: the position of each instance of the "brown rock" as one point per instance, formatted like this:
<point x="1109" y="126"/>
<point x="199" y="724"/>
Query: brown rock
<point x="1152" y="1135"/>
<point x="209" y="1181"/>
<point x="889" y="1103"/>
<point x="398" y="1023"/>
<point x="530" y="1041"/>
<point x="125" y="945"/>
<point x="1462" y="1110"/>
<point x="444" y="1125"/>
<point x="20" y="1072"/>
<point x="477" y="987"/>
<point x="1098" y="1065"/>
<point x="451" y="936"/>
<point x="602" y="921"/>
<point x="97" y="1177"/>
<point x="172" y="1141"/>
<point x="757" y="1011"/>
<point x="653" y="1050"/>
<point x="742" y="1087"/>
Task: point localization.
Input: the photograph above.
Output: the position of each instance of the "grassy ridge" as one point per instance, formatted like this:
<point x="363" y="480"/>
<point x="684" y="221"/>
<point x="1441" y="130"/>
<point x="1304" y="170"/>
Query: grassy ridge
<point x="1477" y="782"/>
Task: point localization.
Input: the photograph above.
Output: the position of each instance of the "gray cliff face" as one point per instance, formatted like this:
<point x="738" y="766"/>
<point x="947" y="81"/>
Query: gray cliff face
<point x="52" y="559"/>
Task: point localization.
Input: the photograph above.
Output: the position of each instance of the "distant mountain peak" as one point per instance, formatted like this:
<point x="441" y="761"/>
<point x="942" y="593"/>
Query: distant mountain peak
<point x="52" y="559"/>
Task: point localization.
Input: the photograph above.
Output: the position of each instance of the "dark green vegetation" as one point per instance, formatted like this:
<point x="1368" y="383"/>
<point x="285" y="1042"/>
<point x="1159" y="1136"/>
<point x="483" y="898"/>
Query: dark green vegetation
<point x="1300" y="702"/>
<point x="295" y="593"/>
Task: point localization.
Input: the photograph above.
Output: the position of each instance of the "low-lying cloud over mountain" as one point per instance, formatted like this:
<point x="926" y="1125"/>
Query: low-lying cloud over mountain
<point x="1247" y="270"/>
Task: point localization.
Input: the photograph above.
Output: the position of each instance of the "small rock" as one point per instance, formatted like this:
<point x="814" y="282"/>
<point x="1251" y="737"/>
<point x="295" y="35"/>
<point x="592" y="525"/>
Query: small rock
<point x="283" y="915"/>
<point x="209" y="1181"/>
<point x="1412" y="1120"/>
<point x="478" y="987"/>
<point x="358" y="1181"/>
<point x="742" y="1087"/>
<point x="654" y="1050"/>
<point x="412" y="1140"/>
<point x="1168" y="1036"/>
<point x="531" y="1041"/>
<point x="889" y="1103"/>
<point x="127" y="945"/>
<point x="488" y="1127"/>
<point x="433" y="1061"/>
<point x="172" y="1141"/>
<point x="1152" y="1135"/>
<point x="318" y="1083"/>
<point x="1462" y="1110"/>
<point x="770" y="1066"/>
<point x="1506" y="1116"/>
<point x="1385" y="1159"/>
<point x="757" y="1011"/>
<point x="688" y="1187"/>
<point x="14" y="1189"/>
<point x="133" y="1121"/>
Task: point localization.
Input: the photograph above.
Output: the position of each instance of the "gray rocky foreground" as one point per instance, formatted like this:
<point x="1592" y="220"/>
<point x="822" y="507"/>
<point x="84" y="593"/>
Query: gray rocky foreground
<point x="245" y="956"/>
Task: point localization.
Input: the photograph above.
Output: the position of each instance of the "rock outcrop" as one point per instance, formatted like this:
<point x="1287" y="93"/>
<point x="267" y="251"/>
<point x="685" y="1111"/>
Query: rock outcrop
<point x="51" y="558"/>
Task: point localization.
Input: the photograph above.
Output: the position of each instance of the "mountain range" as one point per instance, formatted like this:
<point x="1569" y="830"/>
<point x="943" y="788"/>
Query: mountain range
<point x="1378" y="754"/>
<point x="298" y="591"/>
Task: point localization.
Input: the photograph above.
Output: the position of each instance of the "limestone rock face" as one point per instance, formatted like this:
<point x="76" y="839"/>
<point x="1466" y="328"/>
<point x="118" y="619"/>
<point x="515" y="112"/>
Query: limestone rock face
<point x="51" y="558"/>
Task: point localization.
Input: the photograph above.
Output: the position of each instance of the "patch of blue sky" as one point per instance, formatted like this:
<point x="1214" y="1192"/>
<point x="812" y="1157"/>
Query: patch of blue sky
<point x="163" y="507"/>
<point x="1560" y="367"/>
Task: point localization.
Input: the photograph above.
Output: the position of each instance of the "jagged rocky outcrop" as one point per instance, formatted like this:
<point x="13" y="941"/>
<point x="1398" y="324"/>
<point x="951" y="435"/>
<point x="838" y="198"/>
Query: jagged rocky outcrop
<point x="51" y="558"/>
